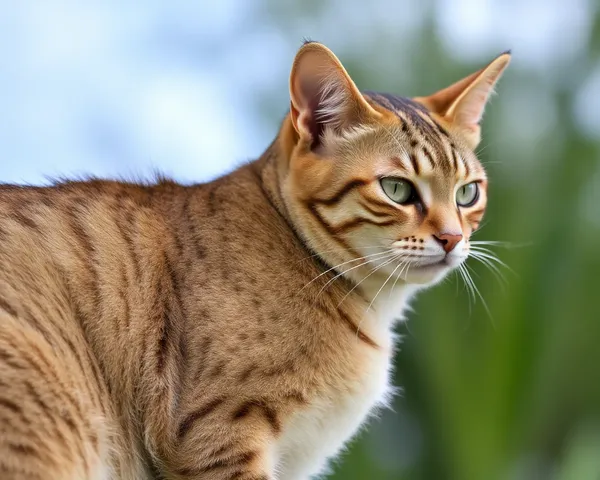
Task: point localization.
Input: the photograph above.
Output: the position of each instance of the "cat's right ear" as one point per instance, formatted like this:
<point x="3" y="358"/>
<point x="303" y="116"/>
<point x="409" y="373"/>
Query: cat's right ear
<point x="323" y="96"/>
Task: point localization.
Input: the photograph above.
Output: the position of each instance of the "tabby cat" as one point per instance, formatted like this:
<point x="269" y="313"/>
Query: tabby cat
<point x="241" y="328"/>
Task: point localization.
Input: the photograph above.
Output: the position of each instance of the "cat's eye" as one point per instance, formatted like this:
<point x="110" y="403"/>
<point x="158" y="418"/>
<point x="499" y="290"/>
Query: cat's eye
<point x="399" y="191"/>
<point x="467" y="195"/>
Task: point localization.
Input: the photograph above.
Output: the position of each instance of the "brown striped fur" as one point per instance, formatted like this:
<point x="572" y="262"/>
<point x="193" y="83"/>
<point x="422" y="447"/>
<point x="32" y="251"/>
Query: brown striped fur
<point x="169" y="331"/>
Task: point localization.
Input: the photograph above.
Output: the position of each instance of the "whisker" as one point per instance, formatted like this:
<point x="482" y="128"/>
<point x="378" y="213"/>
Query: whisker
<point x="501" y="243"/>
<point x="364" y="317"/>
<point x="493" y="268"/>
<point x="406" y="263"/>
<point x="388" y="254"/>
<point x="485" y="305"/>
<point x="489" y="255"/>
<point x="333" y="250"/>
<point x="367" y="276"/>
<point x="373" y="255"/>
<point x="466" y="280"/>
<point x="384" y="283"/>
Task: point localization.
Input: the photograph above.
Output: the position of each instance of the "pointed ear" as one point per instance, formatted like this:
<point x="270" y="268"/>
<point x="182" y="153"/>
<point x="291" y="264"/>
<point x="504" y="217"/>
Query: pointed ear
<point x="323" y="96"/>
<point x="462" y="104"/>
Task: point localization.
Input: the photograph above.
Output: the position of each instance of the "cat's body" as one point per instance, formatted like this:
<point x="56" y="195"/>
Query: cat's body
<point x="199" y="332"/>
<point x="209" y="338"/>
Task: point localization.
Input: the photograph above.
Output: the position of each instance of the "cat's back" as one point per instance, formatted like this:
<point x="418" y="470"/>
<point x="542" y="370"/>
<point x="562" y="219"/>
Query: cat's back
<point x="68" y="255"/>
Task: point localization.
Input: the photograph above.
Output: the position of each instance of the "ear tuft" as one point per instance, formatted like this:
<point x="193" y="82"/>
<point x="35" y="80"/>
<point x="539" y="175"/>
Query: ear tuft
<point x="323" y="96"/>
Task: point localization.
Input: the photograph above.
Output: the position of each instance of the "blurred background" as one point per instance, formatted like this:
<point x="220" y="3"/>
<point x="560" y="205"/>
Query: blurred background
<point x="121" y="89"/>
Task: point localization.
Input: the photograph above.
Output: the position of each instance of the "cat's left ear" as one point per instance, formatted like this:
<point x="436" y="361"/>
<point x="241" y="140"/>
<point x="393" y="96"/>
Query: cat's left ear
<point x="462" y="104"/>
<point x="324" y="99"/>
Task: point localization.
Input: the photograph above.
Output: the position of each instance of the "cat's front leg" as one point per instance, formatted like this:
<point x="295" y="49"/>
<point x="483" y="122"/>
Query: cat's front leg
<point x="220" y="464"/>
<point x="221" y="440"/>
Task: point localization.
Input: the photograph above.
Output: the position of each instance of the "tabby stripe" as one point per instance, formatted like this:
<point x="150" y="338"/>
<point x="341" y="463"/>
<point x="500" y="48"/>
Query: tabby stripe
<point x="43" y="406"/>
<point x="235" y="460"/>
<point x="228" y="462"/>
<point x="313" y="210"/>
<point x="429" y="157"/>
<point x="87" y="258"/>
<point x="20" y="449"/>
<point x="415" y="163"/>
<point x="441" y="129"/>
<point x="217" y="370"/>
<point x="245" y="374"/>
<point x="343" y="191"/>
<point x="212" y="200"/>
<point x="164" y="318"/>
<point x="127" y="237"/>
<point x="224" y="448"/>
<point x="467" y="169"/>
<point x="24" y="220"/>
<point x="269" y="413"/>
<point x="399" y="164"/>
<point x="374" y="212"/>
<point x="9" y="360"/>
<point x="12" y="362"/>
<point x="170" y="311"/>
<point x="7" y="308"/>
<point x="123" y="295"/>
<point x="272" y="419"/>
<point x="34" y="323"/>
<point x="454" y="159"/>
<point x="10" y="405"/>
<point x="356" y="330"/>
<point x="203" y="350"/>
<point x="380" y="203"/>
<point x="351" y="224"/>
<point x="188" y="422"/>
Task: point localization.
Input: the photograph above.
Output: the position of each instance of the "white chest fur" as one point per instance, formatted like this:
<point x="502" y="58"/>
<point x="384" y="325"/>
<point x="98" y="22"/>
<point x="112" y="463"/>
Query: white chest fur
<point x="319" y="432"/>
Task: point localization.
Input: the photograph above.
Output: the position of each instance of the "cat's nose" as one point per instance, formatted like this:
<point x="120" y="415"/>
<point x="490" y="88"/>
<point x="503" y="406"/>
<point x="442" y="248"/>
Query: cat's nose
<point x="448" y="240"/>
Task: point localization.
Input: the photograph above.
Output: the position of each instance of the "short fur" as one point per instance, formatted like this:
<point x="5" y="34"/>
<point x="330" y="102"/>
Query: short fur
<point x="201" y="332"/>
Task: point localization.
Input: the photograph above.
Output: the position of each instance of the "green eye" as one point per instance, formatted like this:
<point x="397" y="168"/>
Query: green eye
<point x="467" y="195"/>
<point x="400" y="191"/>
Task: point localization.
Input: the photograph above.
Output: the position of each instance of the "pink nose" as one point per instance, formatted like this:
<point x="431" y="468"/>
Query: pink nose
<point x="448" y="240"/>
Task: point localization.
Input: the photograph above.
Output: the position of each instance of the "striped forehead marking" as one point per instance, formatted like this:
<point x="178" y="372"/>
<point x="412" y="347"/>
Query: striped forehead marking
<point x="435" y="143"/>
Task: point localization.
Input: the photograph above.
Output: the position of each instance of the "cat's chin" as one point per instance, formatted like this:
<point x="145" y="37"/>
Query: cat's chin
<point x="427" y="275"/>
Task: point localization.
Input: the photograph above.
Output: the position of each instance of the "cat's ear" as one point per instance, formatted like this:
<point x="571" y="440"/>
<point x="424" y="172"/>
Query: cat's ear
<point x="462" y="104"/>
<point x="323" y="96"/>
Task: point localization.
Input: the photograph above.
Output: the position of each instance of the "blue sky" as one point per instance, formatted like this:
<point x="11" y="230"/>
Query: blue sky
<point x="122" y="88"/>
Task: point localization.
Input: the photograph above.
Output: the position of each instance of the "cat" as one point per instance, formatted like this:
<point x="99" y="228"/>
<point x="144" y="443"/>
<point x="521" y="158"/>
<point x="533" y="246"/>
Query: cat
<point x="241" y="328"/>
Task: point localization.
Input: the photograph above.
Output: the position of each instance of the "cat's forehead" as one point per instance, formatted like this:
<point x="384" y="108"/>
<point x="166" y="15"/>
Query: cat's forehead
<point x="406" y="109"/>
<point x="421" y="141"/>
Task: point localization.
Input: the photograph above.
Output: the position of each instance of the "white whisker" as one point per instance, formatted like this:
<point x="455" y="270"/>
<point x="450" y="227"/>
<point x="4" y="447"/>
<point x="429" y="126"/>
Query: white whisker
<point x="395" y="255"/>
<point x="387" y="255"/>
<point x="493" y="268"/>
<point x="485" y="305"/>
<point x="382" y="286"/>
<point x="489" y="255"/>
<point x="371" y="256"/>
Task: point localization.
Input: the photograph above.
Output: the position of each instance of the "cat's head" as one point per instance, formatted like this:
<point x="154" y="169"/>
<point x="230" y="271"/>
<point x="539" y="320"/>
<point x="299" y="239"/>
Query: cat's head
<point x="376" y="181"/>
